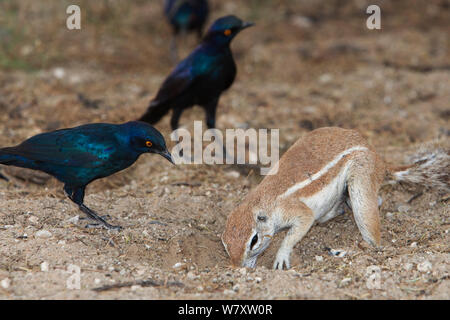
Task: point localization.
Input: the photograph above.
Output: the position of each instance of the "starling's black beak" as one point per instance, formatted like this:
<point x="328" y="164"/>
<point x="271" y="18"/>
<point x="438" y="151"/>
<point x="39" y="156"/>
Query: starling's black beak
<point x="246" y="25"/>
<point x="166" y="154"/>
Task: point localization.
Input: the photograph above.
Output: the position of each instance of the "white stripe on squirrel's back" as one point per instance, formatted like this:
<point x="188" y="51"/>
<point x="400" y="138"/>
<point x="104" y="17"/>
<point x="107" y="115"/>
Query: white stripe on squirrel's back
<point x="322" y="171"/>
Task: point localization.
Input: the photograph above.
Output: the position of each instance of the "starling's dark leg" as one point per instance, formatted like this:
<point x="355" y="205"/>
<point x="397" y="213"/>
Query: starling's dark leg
<point x="3" y="177"/>
<point x="77" y="196"/>
<point x="176" y="114"/>
<point x="92" y="214"/>
<point x="104" y="217"/>
<point x="210" y="109"/>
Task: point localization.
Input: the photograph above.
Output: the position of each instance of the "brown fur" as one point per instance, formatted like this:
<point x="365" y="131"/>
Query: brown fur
<point x="307" y="157"/>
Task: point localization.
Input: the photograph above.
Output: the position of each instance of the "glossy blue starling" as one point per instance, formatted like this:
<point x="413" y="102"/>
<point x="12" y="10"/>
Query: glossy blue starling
<point x="201" y="78"/>
<point x="77" y="156"/>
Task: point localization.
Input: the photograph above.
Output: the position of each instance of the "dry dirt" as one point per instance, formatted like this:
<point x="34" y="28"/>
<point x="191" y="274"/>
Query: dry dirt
<point x="306" y="64"/>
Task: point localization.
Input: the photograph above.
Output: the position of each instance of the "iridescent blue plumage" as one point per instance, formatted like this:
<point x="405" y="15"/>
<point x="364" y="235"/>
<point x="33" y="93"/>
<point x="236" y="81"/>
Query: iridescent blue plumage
<point x="201" y="78"/>
<point x="186" y="15"/>
<point x="80" y="155"/>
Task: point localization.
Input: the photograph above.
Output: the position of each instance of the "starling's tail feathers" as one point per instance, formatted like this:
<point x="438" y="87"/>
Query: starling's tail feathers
<point x="154" y="112"/>
<point x="6" y="157"/>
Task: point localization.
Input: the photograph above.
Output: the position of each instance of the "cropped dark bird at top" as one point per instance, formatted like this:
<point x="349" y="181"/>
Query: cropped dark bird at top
<point x="185" y="16"/>
<point x="77" y="156"/>
<point x="201" y="78"/>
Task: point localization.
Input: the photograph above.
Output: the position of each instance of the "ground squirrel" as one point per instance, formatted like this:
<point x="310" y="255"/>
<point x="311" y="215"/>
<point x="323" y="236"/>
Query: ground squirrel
<point x="316" y="176"/>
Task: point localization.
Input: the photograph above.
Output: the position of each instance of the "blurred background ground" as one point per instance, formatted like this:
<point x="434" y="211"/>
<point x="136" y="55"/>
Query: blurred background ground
<point x="306" y="64"/>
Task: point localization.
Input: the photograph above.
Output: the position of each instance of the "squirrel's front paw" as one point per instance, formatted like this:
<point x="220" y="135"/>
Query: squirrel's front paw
<point x="281" y="261"/>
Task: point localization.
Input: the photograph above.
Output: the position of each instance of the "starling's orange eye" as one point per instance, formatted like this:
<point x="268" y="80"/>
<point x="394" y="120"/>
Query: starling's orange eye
<point x="227" y="32"/>
<point x="148" y="143"/>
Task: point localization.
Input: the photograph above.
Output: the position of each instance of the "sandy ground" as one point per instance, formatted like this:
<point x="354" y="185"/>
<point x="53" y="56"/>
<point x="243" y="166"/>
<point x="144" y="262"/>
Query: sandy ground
<point x="304" y="65"/>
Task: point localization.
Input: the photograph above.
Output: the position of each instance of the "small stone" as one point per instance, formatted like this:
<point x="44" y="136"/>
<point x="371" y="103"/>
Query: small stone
<point x="301" y="22"/>
<point x="338" y="253"/>
<point x="233" y="174"/>
<point x="5" y="283"/>
<point x="74" y="220"/>
<point x="33" y="220"/>
<point x="59" y="73"/>
<point x="62" y="242"/>
<point x="179" y="266"/>
<point x="26" y="50"/>
<point x="228" y="292"/>
<point x="236" y="287"/>
<point x="258" y="279"/>
<point x="243" y="271"/>
<point x="135" y="287"/>
<point x="425" y="266"/>
<point x="325" y="78"/>
<point x="44" y="234"/>
<point x="408" y="266"/>
<point x="191" y="276"/>
<point x="44" y="266"/>
<point x="200" y="288"/>
<point x="403" y="208"/>
<point x="319" y="258"/>
<point x="373" y="277"/>
<point x="310" y="109"/>
<point x="97" y="281"/>
<point x="140" y="271"/>
<point x="413" y="245"/>
<point x="345" y="281"/>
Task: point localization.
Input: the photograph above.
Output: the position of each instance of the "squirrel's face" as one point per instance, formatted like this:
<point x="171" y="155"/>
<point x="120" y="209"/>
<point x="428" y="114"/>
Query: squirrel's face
<point x="260" y="238"/>
<point x="247" y="234"/>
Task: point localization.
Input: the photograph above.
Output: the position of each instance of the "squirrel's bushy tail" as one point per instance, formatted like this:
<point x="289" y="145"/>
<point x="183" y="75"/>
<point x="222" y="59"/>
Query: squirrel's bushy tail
<point x="430" y="168"/>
